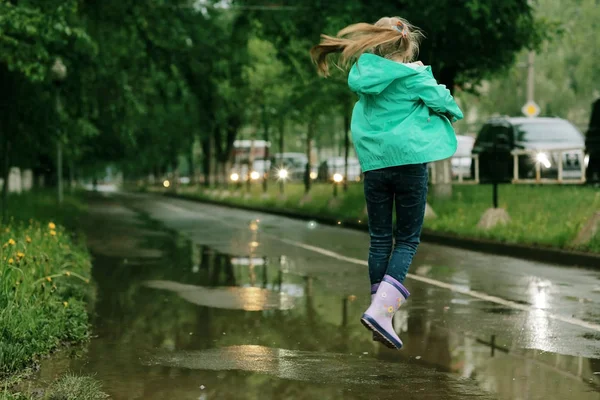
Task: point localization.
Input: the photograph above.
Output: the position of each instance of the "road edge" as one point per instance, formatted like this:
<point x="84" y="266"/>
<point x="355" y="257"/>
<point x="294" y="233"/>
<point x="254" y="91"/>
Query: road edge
<point x="542" y="254"/>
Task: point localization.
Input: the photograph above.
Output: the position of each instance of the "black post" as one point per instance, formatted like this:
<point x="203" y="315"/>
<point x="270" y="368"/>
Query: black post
<point x="495" y="174"/>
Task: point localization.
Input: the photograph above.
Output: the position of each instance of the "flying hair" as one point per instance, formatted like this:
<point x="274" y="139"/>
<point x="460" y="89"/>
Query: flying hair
<point x="390" y="37"/>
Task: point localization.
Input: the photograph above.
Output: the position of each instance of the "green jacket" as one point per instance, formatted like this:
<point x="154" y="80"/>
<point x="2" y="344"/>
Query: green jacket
<point x="402" y="115"/>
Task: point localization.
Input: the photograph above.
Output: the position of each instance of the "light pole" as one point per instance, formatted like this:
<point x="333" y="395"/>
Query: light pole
<point x="59" y="74"/>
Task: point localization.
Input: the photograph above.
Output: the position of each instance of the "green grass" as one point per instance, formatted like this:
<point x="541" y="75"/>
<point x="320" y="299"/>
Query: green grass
<point x="541" y="215"/>
<point x="68" y="387"/>
<point x="44" y="281"/>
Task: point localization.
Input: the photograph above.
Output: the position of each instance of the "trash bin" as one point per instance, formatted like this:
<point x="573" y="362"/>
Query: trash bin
<point x="592" y="144"/>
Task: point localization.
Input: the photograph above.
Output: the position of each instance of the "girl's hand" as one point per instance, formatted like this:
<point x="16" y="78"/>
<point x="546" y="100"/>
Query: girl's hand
<point x="419" y="63"/>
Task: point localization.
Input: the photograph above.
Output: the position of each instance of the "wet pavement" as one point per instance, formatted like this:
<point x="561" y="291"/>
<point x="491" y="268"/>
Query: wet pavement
<point x="202" y="302"/>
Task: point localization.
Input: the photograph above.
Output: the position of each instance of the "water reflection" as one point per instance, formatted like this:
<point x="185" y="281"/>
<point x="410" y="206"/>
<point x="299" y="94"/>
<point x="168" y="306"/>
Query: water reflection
<point x="231" y="298"/>
<point x="297" y="365"/>
<point x="188" y="318"/>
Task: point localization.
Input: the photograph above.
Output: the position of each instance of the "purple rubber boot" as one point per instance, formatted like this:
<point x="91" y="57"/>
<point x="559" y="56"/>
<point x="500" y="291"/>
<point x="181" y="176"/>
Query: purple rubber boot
<point x="378" y="318"/>
<point x="374" y="288"/>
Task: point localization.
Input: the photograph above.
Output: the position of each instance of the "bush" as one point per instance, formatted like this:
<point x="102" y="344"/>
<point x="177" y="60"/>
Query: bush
<point x="44" y="288"/>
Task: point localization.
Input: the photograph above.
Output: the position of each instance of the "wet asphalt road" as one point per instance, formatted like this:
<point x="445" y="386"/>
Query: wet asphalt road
<point x="202" y="302"/>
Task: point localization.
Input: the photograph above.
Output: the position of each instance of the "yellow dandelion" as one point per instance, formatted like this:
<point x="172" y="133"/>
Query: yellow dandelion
<point x="27" y="239"/>
<point x="11" y="242"/>
<point x="20" y="254"/>
<point x="11" y="261"/>
<point x="49" y="279"/>
<point x="67" y="273"/>
<point x="52" y="233"/>
<point x="66" y="304"/>
<point x="51" y="225"/>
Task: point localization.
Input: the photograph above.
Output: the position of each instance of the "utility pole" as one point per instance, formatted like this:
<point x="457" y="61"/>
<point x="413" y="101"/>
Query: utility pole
<point x="531" y="76"/>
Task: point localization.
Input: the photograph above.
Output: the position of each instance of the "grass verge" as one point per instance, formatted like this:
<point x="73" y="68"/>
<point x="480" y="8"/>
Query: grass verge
<point x="68" y="387"/>
<point x="44" y="281"/>
<point x="541" y="215"/>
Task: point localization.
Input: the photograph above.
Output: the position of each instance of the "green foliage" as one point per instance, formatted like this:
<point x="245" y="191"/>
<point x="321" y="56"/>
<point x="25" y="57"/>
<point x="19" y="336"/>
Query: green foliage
<point x="146" y="80"/>
<point x="34" y="31"/>
<point x="567" y="75"/>
<point x="44" y="287"/>
<point x="68" y="387"/>
<point x="72" y="387"/>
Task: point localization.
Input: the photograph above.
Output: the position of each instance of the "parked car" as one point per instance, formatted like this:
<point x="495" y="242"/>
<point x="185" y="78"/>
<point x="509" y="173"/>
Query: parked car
<point x="333" y="165"/>
<point x="293" y="163"/>
<point x="461" y="161"/>
<point x="538" y="135"/>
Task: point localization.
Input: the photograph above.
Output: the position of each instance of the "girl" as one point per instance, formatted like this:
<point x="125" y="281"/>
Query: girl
<point x="401" y="122"/>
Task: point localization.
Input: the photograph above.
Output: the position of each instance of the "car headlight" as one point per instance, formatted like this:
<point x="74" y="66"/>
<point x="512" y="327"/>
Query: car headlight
<point x="282" y="173"/>
<point x="254" y="175"/>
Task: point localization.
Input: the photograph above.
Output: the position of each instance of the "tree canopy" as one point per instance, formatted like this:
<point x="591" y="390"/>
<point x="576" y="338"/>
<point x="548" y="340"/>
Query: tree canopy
<point x="146" y="81"/>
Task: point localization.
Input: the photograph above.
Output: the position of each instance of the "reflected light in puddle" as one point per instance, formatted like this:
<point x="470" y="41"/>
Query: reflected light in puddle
<point x="538" y="323"/>
<point x="244" y="261"/>
<point x="254" y="226"/>
<point x="307" y="366"/>
<point x="231" y="298"/>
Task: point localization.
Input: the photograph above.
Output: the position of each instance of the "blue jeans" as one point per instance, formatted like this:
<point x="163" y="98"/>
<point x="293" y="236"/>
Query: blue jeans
<point x="407" y="186"/>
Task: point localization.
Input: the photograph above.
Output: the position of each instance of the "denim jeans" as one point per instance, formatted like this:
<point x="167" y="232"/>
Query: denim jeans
<point x="406" y="186"/>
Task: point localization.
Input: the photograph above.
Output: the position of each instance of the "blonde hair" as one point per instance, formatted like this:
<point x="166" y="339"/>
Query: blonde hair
<point x="390" y="37"/>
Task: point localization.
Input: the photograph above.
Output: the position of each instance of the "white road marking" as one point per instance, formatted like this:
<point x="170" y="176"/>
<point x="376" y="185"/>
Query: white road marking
<point x="454" y="288"/>
<point x="429" y="281"/>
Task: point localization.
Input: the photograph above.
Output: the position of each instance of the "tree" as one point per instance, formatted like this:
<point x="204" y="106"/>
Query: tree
<point x="566" y="75"/>
<point x="32" y="34"/>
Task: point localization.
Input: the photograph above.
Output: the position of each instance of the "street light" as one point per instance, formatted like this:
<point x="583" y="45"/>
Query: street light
<point x="337" y="179"/>
<point x="59" y="74"/>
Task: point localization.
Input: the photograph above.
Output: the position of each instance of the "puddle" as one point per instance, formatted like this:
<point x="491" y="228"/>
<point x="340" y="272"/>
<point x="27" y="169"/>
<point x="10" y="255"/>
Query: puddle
<point x="177" y="320"/>
<point x="231" y="298"/>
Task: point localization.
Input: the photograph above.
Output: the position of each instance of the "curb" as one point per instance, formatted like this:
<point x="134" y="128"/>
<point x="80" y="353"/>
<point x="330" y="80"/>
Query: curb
<point x="543" y="254"/>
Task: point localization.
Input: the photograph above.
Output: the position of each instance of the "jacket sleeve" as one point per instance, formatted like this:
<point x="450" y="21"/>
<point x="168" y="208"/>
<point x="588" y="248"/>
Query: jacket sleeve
<point x="435" y="96"/>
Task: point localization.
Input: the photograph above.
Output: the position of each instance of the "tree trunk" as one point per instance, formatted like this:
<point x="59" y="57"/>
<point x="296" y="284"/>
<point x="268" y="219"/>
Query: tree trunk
<point x="212" y="159"/>
<point x="265" y="172"/>
<point x="281" y="149"/>
<point x="192" y="166"/>
<point x="206" y="165"/>
<point x="309" y="136"/>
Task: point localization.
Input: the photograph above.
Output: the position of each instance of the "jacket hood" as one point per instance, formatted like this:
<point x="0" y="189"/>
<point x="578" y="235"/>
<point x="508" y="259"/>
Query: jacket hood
<point x="372" y="74"/>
